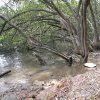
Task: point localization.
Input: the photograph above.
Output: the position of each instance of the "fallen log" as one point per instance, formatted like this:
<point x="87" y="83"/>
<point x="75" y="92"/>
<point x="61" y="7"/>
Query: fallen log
<point x="4" y="73"/>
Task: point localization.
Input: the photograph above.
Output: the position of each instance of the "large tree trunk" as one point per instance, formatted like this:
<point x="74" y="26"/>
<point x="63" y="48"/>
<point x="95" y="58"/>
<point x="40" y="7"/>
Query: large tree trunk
<point x="34" y="43"/>
<point x="79" y="39"/>
<point x="84" y="38"/>
<point x="96" y="41"/>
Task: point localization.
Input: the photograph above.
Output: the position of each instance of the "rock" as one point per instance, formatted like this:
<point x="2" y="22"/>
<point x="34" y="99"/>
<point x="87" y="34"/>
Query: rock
<point x="54" y="81"/>
<point x="76" y="58"/>
<point x="51" y="92"/>
<point x="90" y="65"/>
<point x="81" y="87"/>
<point x="39" y="83"/>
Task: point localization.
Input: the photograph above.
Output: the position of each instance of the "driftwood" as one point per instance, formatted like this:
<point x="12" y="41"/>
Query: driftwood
<point x="4" y="73"/>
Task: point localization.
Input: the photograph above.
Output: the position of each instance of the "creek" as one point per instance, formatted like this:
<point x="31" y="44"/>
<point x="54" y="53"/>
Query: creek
<point x="24" y="65"/>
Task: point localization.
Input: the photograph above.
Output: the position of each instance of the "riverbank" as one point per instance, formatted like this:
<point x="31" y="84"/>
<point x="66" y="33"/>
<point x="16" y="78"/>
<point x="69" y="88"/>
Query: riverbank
<point x="81" y="87"/>
<point x="50" y="84"/>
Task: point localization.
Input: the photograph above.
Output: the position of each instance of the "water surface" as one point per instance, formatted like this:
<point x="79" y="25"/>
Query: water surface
<point x="24" y="66"/>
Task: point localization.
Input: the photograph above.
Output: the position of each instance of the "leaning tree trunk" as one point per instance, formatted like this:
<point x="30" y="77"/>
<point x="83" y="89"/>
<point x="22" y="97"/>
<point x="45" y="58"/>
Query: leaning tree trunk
<point x="32" y="42"/>
<point x="67" y="24"/>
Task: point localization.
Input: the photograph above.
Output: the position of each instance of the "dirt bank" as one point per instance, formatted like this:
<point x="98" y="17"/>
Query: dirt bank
<point x="81" y="87"/>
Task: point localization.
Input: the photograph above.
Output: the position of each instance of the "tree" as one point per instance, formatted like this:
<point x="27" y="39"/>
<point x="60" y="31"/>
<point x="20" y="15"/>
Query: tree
<point x="39" y="22"/>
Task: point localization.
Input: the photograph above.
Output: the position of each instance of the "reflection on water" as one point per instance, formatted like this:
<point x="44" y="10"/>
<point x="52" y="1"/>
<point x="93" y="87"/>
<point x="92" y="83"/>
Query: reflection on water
<point x="17" y="60"/>
<point x="3" y="61"/>
<point x="24" y="65"/>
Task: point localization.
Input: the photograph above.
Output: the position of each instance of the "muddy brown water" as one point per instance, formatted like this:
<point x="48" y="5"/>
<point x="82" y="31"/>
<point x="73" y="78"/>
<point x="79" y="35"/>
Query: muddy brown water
<point x="24" y="65"/>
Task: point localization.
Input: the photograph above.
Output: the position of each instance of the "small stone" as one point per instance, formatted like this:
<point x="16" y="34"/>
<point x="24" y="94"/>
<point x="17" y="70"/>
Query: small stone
<point x="39" y="83"/>
<point x="51" y="75"/>
<point x="33" y="96"/>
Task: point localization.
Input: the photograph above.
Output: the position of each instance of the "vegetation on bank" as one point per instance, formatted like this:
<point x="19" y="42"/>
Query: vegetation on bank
<point x="57" y="26"/>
